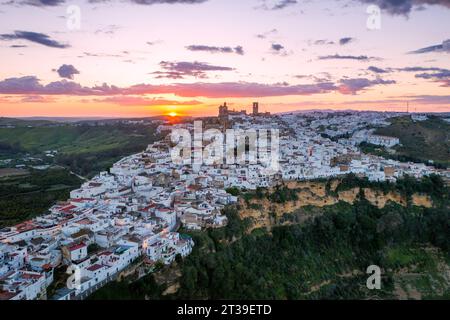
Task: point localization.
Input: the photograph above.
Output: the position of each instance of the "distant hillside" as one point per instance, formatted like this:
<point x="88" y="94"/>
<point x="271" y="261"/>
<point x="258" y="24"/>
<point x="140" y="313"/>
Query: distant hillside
<point x="26" y="194"/>
<point x="4" y="122"/>
<point x="424" y="140"/>
<point x="86" y="149"/>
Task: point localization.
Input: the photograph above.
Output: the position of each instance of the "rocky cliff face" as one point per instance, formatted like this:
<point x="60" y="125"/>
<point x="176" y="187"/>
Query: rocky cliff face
<point x="315" y="194"/>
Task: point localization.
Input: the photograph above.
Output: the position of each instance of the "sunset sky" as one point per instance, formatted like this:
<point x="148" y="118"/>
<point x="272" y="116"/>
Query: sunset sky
<point x="133" y="58"/>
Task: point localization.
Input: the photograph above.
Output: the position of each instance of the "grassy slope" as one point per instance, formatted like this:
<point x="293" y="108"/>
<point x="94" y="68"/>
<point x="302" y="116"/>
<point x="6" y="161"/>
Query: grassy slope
<point x="22" y="123"/>
<point x="85" y="149"/>
<point x="24" y="197"/>
<point x="66" y="139"/>
<point x="425" y="140"/>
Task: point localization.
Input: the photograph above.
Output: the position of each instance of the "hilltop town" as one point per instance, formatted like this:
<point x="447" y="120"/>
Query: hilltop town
<point x="134" y="212"/>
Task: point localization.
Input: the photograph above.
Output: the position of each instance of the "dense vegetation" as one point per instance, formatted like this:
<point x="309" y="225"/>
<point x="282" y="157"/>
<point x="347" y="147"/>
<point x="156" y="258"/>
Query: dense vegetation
<point x="8" y="149"/>
<point x="323" y="258"/>
<point x="421" y="141"/>
<point x="432" y="185"/>
<point x="290" y="261"/>
<point x="23" y="197"/>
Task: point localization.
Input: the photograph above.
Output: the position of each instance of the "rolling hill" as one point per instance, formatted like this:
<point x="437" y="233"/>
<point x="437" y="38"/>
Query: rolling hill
<point x="85" y="148"/>
<point x="422" y="140"/>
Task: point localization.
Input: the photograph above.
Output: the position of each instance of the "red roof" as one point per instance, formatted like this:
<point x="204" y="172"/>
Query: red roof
<point x="68" y="209"/>
<point x="77" y="246"/>
<point x="31" y="276"/>
<point x="47" y="266"/>
<point x="84" y="221"/>
<point x="94" y="267"/>
<point x="81" y="199"/>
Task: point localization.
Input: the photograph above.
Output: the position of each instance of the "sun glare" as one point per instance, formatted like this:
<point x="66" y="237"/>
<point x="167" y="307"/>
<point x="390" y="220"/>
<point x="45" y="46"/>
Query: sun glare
<point x="172" y="114"/>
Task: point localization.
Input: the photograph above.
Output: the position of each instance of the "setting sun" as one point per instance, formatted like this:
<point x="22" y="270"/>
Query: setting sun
<point x="172" y="114"/>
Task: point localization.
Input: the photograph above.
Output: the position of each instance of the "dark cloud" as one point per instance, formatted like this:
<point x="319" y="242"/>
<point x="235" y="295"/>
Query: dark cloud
<point x="342" y="41"/>
<point x="444" y="47"/>
<point x="278" y="5"/>
<point x="377" y="70"/>
<point x="404" y="7"/>
<point x="283" y="4"/>
<point x="39" y="3"/>
<point x="33" y="37"/>
<point x="439" y="75"/>
<point x="321" y="42"/>
<point x="277" y="47"/>
<point x="405" y="69"/>
<point x="179" y="70"/>
<point x="418" y="69"/>
<point x="346" y="40"/>
<point x="239" y="50"/>
<point x="212" y="49"/>
<point x="67" y="71"/>
<point x="347" y="57"/>
<point x="443" y="77"/>
<point x="352" y="86"/>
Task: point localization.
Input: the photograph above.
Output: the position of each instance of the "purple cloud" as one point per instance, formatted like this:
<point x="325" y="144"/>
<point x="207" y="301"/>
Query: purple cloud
<point x="346" y="40"/>
<point x="377" y="70"/>
<point x="347" y="57"/>
<point x="39" y="3"/>
<point x="404" y="7"/>
<point x="321" y="42"/>
<point x="67" y="71"/>
<point x="352" y="86"/>
<point x="179" y="70"/>
<point x="444" y="47"/>
<point x="443" y="77"/>
<point x="283" y="4"/>
<point x="33" y="37"/>
<point x="277" y="47"/>
<point x="212" y="49"/>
